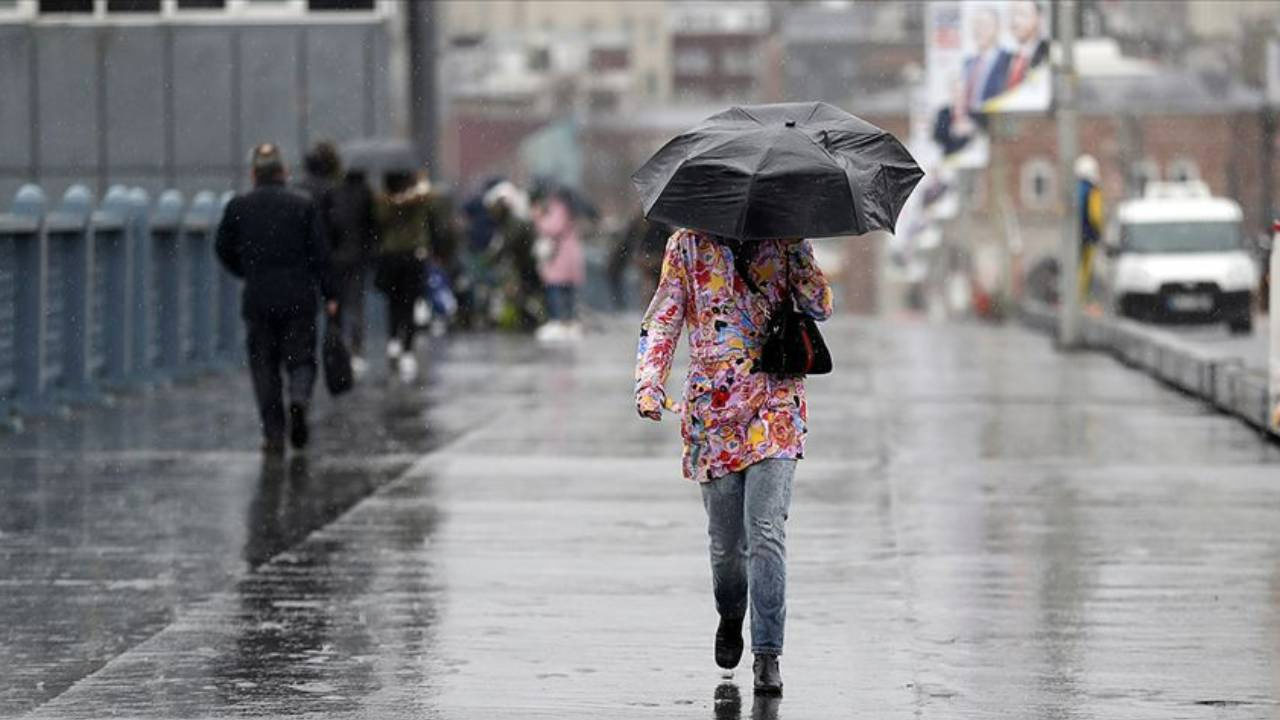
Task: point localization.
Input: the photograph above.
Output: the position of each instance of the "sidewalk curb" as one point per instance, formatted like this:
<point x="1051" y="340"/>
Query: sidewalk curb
<point x="1225" y="383"/>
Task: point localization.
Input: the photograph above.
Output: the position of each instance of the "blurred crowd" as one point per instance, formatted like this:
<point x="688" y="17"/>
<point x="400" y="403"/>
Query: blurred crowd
<point x="505" y="257"/>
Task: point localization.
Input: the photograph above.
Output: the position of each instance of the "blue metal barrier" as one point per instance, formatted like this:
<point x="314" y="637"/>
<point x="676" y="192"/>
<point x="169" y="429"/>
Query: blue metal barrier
<point x="198" y="228"/>
<point x="94" y="299"/>
<point x="100" y="297"/>
<point x="138" y="229"/>
<point x="29" y="292"/>
<point x="165" y="291"/>
<point x="21" y="287"/>
<point x="112" y="290"/>
<point x="229" y="345"/>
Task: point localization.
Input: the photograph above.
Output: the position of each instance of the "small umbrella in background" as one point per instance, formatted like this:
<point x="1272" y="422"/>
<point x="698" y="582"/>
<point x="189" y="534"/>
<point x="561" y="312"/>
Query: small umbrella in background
<point x="377" y="156"/>
<point x="785" y="170"/>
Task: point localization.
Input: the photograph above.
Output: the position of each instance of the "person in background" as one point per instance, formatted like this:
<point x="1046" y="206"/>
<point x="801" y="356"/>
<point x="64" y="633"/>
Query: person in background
<point x="272" y="236"/>
<point x="444" y="269"/>
<point x="474" y="283"/>
<point x="1026" y="26"/>
<point x="561" y="266"/>
<point x="323" y="169"/>
<point x="987" y="70"/>
<point x="641" y="244"/>
<point x="402" y="221"/>
<point x="353" y="233"/>
<point x="1089" y="197"/>
<point x="512" y="252"/>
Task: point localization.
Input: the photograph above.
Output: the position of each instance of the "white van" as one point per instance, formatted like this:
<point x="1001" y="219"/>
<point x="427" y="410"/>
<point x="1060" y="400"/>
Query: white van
<point x="1178" y="254"/>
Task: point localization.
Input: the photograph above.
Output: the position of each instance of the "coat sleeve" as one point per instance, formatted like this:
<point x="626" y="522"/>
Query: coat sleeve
<point x="227" y="245"/>
<point x="660" y="329"/>
<point x="809" y="287"/>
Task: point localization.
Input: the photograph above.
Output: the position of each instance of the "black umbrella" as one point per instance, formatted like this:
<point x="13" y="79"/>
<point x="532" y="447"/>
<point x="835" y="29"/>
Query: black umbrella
<point x="375" y="156"/>
<point x="779" y="171"/>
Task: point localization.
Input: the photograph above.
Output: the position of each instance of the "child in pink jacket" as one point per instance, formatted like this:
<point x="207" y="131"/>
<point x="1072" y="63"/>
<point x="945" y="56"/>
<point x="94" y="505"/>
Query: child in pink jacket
<point x="560" y="265"/>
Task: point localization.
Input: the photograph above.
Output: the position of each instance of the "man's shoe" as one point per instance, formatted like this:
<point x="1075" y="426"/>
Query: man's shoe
<point x="768" y="675"/>
<point x="729" y="643"/>
<point x="298" y="432"/>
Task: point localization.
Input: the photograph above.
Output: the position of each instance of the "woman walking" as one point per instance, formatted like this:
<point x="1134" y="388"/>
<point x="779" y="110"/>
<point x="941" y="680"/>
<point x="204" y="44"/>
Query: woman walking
<point x="743" y="429"/>
<point x="560" y="266"/>
<point x="403" y="215"/>
<point x="754" y="174"/>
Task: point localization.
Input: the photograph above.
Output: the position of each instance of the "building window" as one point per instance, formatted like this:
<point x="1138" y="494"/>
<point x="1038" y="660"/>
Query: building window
<point x="133" y="6"/>
<point x="739" y="61"/>
<point x="539" y="59"/>
<point x="1183" y="170"/>
<point x="58" y="7"/>
<point x="268" y="7"/>
<point x="693" y="61"/>
<point x="202" y="4"/>
<point x="1039" y="184"/>
<point x="338" y="5"/>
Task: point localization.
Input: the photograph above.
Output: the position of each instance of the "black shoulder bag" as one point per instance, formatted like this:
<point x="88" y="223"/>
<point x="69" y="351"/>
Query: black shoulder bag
<point x="793" y="347"/>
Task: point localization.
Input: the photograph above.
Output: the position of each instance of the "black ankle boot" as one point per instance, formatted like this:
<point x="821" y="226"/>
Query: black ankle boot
<point x="729" y="643"/>
<point x="768" y="675"/>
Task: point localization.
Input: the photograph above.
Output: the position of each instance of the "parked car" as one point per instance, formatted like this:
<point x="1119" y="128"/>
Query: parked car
<point x="1177" y="254"/>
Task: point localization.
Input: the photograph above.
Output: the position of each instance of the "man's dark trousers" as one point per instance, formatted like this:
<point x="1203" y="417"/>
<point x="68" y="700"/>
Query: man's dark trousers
<point x="281" y="340"/>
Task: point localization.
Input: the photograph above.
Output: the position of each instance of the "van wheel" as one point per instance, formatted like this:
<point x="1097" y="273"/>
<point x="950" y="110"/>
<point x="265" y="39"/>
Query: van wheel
<point x="1243" y="326"/>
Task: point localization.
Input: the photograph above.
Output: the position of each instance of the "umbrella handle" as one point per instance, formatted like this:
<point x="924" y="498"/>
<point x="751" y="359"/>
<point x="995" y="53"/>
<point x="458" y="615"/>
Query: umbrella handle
<point x="672" y="406"/>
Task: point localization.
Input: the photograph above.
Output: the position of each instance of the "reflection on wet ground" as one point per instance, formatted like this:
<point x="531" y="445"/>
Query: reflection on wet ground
<point x="982" y="528"/>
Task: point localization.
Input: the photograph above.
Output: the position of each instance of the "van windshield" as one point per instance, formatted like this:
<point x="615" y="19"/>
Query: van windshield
<point x="1181" y="237"/>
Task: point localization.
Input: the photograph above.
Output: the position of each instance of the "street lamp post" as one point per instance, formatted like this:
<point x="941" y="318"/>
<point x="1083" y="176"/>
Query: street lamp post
<point x="1066" y="113"/>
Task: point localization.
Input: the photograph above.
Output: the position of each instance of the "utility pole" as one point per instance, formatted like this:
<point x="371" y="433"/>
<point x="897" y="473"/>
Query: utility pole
<point x="423" y="33"/>
<point x="1069" y="317"/>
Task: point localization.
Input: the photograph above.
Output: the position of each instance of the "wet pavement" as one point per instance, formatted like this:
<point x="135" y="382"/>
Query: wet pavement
<point x="983" y="528"/>
<point x="1252" y="349"/>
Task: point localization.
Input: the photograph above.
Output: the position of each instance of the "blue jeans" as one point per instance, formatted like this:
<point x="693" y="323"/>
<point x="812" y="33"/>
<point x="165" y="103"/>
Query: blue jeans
<point x="746" y="519"/>
<point x="560" y="303"/>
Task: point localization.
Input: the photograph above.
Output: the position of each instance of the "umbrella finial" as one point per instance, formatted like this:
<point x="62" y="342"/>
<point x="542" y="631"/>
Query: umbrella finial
<point x="791" y="123"/>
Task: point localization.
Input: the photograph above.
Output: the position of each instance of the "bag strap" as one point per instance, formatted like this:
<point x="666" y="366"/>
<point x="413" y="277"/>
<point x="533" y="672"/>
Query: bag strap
<point x="743" y="269"/>
<point x="741" y="264"/>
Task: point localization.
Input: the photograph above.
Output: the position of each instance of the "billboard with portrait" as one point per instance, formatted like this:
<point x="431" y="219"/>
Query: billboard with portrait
<point x="983" y="57"/>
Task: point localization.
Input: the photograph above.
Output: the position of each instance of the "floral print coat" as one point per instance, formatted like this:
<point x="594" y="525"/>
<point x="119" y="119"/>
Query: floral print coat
<point x="733" y="417"/>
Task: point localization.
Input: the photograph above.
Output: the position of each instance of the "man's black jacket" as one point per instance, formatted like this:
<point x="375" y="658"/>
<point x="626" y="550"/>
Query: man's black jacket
<point x="273" y="238"/>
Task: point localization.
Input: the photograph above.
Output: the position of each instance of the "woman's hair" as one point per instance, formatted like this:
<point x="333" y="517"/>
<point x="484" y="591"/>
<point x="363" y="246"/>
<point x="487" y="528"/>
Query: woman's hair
<point x="322" y="160"/>
<point x="397" y="181"/>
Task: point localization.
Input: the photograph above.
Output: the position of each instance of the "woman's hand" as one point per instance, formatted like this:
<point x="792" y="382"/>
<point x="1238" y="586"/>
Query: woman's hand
<point x="650" y="407"/>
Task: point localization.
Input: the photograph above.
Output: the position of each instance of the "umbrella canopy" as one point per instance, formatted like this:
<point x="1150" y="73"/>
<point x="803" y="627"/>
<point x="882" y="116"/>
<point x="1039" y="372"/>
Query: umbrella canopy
<point x="375" y="156"/>
<point x="786" y="170"/>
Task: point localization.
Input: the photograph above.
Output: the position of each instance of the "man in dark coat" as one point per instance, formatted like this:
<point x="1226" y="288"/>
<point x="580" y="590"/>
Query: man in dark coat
<point x="353" y="236"/>
<point x="272" y="237"/>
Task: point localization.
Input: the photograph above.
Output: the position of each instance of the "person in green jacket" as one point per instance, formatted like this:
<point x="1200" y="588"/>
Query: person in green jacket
<point x="403" y="218"/>
<point x="512" y="253"/>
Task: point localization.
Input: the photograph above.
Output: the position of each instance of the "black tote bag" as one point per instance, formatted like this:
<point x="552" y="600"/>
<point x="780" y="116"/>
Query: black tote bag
<point x="793" y="347"/>
<point x="338" y="376"/>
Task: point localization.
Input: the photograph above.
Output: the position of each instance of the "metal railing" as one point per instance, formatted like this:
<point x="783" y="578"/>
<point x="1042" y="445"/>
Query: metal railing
<point x="97" y="299"/>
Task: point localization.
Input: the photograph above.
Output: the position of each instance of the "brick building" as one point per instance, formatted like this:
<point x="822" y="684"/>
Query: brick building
<point x="1168" y="125"/>
<point x="718" y="49"/>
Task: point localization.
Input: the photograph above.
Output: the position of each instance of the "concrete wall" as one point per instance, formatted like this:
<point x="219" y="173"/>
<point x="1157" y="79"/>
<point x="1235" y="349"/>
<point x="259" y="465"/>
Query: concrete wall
<point x="176" y="105"/>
